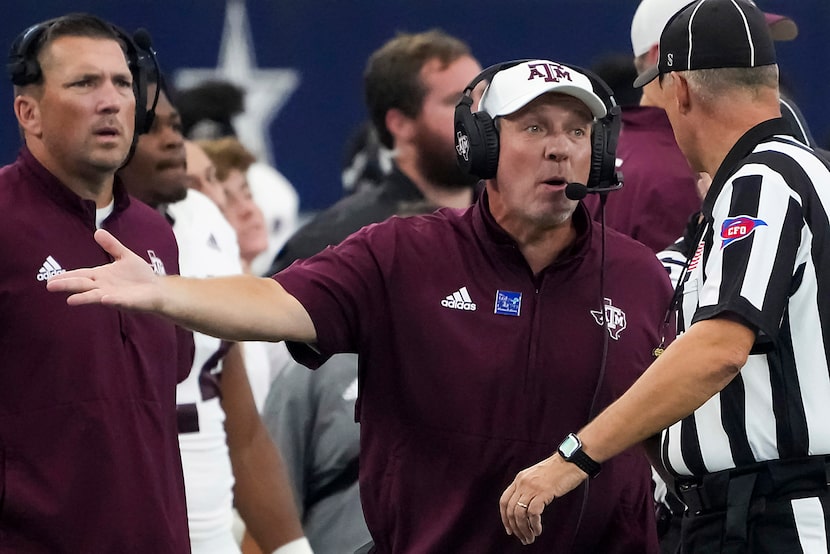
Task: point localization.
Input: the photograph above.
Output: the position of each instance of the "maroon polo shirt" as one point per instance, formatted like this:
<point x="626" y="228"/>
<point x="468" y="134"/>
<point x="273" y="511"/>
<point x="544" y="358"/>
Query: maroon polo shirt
<point x="472" y="368"/>
<point x="659" y="194"/>
<point x="89" y="458"/>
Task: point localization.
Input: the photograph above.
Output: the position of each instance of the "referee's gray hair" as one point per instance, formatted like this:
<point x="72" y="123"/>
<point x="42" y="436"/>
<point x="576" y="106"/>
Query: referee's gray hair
<point x="711" y="84"/>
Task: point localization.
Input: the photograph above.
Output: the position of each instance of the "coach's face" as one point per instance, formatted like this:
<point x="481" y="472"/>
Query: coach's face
<point x="543" y="147"/>
<point x="80" y="119"/>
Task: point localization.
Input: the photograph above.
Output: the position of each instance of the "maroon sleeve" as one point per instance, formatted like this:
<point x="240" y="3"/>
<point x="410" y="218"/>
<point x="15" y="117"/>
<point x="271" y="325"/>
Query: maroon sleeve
<point x="342" y="290"/>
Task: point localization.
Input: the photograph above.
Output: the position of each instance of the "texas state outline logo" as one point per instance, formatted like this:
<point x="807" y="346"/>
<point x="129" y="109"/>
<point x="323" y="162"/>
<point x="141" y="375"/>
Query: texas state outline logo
<point x="614" y="319"/>
<point x="737" y="228"/>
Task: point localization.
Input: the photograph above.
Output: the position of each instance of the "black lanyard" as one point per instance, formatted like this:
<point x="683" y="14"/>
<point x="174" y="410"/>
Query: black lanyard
<point x="678" y="288"/>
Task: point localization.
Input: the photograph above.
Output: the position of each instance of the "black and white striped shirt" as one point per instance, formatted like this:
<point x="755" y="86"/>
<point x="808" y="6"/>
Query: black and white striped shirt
<point x="765" y="256"/>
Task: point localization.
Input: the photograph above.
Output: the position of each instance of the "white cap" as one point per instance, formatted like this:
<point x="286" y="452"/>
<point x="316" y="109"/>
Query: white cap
<point x="513" y="88"/>
<point x="652" y="15"/>
<point x="649" y="20"/>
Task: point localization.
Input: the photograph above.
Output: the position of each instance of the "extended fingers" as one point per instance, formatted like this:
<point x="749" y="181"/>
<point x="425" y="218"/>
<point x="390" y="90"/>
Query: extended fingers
<point x="111" y="244"/>
<point x="94" y="296"/>
<point x="78" y="280"/>
<point x="81" y="285"/>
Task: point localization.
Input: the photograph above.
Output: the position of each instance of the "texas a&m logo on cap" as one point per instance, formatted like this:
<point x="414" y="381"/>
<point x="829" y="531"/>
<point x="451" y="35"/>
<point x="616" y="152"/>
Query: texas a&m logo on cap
<point x="550" y="72"/>
<point x="737" y="228"/>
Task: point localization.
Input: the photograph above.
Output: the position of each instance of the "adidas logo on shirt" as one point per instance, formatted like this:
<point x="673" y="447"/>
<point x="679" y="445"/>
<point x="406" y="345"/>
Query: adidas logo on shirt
<point x="50" y="267"/>
<point x="459" y="300"/>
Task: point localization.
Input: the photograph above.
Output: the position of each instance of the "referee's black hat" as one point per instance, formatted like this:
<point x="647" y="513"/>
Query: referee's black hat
<point x="710" y="34"/>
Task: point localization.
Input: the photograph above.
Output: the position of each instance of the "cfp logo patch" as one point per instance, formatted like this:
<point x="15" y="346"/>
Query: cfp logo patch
<point x="462" y="145"/>
<point x="737" y="228"/>
<point x="550" y="72"/>
<point x="614" y="316"/>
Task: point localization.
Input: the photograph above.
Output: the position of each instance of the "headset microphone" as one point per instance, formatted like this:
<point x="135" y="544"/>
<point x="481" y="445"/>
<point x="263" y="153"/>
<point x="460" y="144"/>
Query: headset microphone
<point x="578" y="191"/>
<point x="144" y="42"/>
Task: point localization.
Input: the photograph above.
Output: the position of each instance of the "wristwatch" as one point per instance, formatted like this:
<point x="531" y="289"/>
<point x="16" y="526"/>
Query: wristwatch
<point x="571" y="450"/>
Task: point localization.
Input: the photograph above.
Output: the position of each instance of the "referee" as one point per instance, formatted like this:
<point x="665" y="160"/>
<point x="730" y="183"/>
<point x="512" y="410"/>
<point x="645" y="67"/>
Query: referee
<point x="743" y="396"/>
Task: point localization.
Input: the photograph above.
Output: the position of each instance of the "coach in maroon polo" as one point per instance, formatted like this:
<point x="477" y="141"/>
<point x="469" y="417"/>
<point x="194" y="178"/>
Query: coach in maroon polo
<point x="485" y="335"/>
<point x="89" y="458"/>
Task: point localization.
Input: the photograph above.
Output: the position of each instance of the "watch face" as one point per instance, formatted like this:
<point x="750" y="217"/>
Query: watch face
<point x="570" y="445"/>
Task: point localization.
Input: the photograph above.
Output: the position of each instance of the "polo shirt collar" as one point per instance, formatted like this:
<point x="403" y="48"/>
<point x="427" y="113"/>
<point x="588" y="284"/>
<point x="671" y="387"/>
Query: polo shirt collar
<point x="738" y="152"/>
<point x="493" y="236"/>
<point x="59" y="193"/>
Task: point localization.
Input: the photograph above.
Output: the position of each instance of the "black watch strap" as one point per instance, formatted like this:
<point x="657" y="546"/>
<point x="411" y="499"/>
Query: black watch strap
<point x="585" y="463"/>
<point x="578" y="457"/>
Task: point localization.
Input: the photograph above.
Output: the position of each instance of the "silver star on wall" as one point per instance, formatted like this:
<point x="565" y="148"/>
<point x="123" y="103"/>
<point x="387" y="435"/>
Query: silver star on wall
<point x="266" y="90"/>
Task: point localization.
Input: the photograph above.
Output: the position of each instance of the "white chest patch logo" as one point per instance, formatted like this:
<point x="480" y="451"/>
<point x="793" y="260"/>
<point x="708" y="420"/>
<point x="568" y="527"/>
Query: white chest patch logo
<point x="50" y="267"/>
<point x="614" y="316"/>
<point x="459" y="300"/>
<point x="155" y="261"/>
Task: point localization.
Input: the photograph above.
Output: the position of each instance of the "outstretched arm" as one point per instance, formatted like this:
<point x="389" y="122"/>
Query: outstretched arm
<point x="234" y="308"/>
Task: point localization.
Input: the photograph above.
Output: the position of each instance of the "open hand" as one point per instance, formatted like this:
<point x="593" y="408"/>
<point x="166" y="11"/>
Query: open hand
<point x="128" y="282"/>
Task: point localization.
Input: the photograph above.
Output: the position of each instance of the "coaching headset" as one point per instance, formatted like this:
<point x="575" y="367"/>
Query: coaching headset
<point x="23" y="68"/>
<point x="477" y="138"/>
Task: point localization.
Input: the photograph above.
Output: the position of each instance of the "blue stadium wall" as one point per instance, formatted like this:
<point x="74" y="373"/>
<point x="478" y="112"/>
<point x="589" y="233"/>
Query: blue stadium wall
<point x="327" y="43"/>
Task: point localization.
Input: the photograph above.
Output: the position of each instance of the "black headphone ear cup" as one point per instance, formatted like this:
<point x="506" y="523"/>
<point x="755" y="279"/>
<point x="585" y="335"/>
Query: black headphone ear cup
<point x="23" y="68"/>
<point x="598" y="158"/>
<point x="22" y="71"/>
<point x="465" y="135"/>
<point x="476" y="135"/>
<point x="476" y="141"/>
<point x="486" y="160"/>
<point x="604" y="154"/>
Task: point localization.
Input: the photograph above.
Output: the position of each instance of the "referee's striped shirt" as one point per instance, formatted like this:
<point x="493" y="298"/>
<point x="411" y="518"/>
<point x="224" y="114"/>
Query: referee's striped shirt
<point x="765" y="255"/>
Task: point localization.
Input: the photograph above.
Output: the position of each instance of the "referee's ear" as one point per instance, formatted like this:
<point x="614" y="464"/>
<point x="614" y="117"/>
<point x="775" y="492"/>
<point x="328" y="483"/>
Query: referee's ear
<point x="681" y="93"/>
